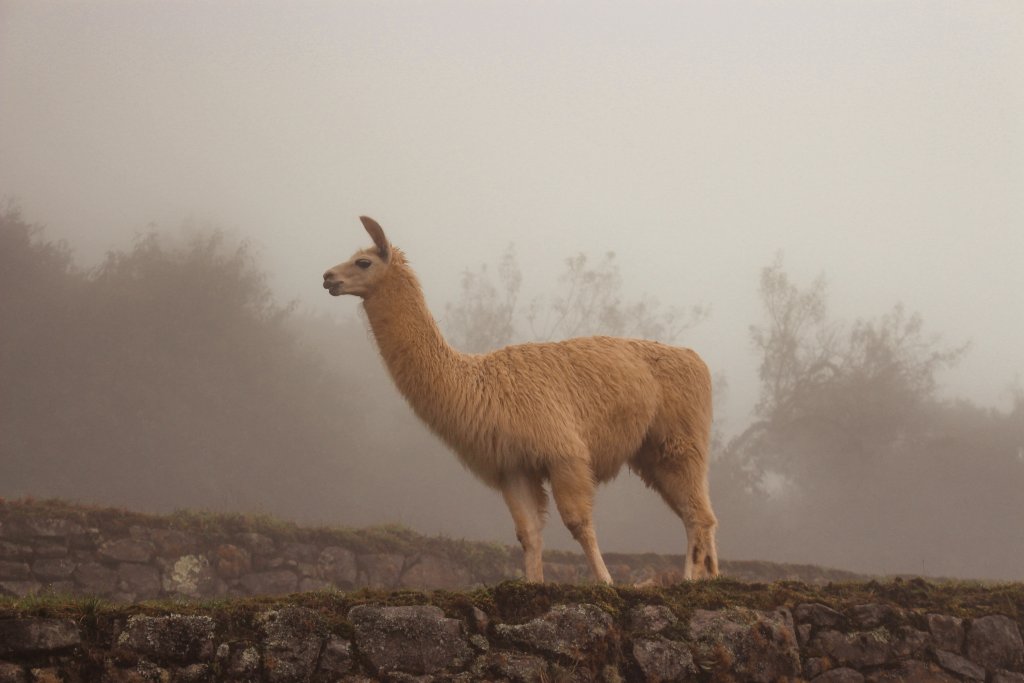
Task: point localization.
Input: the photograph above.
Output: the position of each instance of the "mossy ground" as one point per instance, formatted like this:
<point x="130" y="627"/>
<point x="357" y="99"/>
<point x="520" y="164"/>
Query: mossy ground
<point x="517" y="601"/>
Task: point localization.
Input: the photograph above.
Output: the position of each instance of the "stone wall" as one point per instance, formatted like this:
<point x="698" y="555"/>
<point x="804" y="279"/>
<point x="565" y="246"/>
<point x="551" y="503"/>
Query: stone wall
<point x="128" y="557"/>
<point x="501" y="631"/>
<point x="566" y="642"/>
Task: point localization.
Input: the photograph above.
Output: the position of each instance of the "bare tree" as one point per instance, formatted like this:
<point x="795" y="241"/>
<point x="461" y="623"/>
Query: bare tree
<point x="795" y="343"/>
<point x="829" y="390"/>
<point x="487" y="314"/>
<point x="484" y="317"/>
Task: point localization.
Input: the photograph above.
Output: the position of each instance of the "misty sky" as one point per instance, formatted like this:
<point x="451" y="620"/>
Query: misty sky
<point x="879" y="143"/>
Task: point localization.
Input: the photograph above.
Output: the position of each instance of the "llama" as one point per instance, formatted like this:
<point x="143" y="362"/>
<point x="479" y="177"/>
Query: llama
<point x="569" y="413"/>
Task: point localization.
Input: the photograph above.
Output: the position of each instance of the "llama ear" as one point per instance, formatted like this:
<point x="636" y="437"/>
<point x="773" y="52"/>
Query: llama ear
<point x="377" y="233"/>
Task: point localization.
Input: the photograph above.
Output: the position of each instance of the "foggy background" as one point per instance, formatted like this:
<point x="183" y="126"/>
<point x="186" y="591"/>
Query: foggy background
<point x="824" y="199"/>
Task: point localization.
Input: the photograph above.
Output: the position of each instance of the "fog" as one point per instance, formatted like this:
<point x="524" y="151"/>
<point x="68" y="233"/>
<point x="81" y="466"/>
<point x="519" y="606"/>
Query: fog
<point x="878" y="144"/>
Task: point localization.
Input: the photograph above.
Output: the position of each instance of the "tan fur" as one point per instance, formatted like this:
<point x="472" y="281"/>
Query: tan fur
<point x="571" y="413"/>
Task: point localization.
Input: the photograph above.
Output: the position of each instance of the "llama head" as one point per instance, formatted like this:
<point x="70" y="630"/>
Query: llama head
<point x="361" y="274"/>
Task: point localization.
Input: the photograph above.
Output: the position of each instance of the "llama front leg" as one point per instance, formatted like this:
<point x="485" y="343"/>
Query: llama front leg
<point x="527" y="502"/>
<point x="572" y="485"/>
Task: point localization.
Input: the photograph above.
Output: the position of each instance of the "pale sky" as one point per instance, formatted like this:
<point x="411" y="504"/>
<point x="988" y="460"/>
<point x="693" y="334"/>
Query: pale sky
<point x="881" y="143"/>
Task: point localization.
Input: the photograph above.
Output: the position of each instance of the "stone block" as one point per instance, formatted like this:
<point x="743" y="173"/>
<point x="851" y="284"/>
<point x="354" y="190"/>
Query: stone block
<point x="39" y="527"/>
<point x="306" y="569"/>
<point x="14" y="571"/>
<point x="650" y="618"/>
<point x="749" y="645"/>
<point x="335" y="660"/>
<point x="82" y="539"/>
<point x="577" y="632"/>
<point x="857" y="650"/>
<point x="141" y="579"/>
<point x="292" y="638"/>
<point x="947" y="632"/>
<point x="244" y="662"/>
<point x="910" y="643"/>
<point x="54" y="569"/>
<point x="815" y="666"/>
<point x="37" y="635"/>
<point x="960" y="666"/>
<point x="194" y="673"/>
<point x="95" y="579"/>
<point x="274" y="582"/>
<point x="11" y="550"/>
<point x="51" y="549"/>
<point x="172" y="543"/>
<point x="257" y="544"/>
<point x="413" y="640"/>
<point x="818" y="615"/>
<point x="190" y="575"/>
<point x="664" y="660"/>
<point x="518" y="667"/>
<point x="479" y="643"/>
<point x="20" y="589"/>
<point x="994" y="642"/>
<point x="174" y="638"/>
<point x="301" y="552"/>
<point x="127" y="550"/>
<point x="232" y="561"/>
<point x="478" y="619"/>
<point x="870" y="617"/>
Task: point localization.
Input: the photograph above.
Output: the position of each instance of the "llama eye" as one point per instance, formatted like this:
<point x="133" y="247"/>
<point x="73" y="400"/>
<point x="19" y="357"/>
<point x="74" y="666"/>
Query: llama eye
<point x="363" y="263"/>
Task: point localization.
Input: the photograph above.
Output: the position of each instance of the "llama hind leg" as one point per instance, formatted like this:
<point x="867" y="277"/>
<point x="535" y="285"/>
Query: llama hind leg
<point x="526" y="500"/>
<point x="572" y="486"/>
<point x="678" y="472"/>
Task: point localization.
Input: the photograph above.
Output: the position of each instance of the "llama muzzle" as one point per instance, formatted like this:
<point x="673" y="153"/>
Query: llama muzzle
<point x="332" y="286"/>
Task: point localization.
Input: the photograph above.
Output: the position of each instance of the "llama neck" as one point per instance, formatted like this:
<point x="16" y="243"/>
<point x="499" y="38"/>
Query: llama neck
<point x="422" y="364"/>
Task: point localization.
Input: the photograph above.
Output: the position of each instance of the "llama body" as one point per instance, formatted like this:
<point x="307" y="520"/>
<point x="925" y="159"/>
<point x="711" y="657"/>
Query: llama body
<point x="570" y="413"/>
